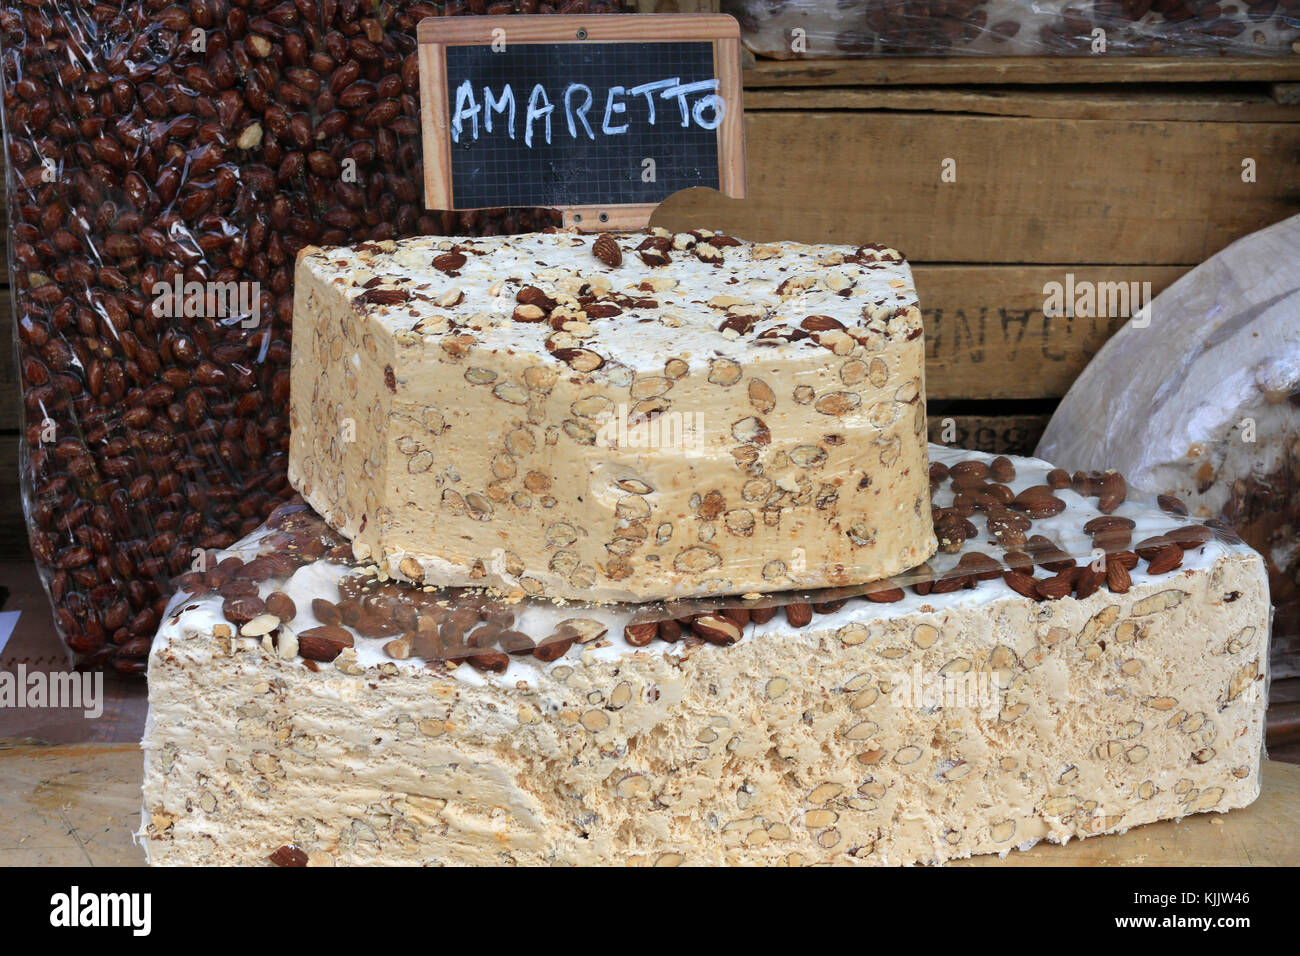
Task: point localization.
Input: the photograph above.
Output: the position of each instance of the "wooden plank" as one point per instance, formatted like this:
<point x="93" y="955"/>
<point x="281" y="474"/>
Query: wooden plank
<point x="71" y="805"/>
<point x="599" y="28"/>
<point x="80" y="804"/>
<point x="987" y="336"/>
<point x="946" y="71"/>
<point x="994" y="434"/>
<point x="1194" y="104"/>
<point x="1027" y="190"/>
<point x="731" y="131"/>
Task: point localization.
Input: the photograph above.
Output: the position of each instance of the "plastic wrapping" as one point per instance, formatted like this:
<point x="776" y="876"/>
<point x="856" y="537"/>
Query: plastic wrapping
<point x="165" y="164"/>
<point x="792" y="29"/>
<point x="1078" y="540"/>
<point x="1200" y="398"/>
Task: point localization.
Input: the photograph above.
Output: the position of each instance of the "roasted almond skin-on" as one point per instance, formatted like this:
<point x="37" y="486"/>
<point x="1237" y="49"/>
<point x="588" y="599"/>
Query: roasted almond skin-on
<point x="705" y="417"/>
<point x="802" y="742"/>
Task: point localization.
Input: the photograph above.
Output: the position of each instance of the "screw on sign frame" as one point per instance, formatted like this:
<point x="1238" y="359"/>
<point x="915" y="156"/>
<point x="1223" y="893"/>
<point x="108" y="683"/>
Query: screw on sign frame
<point x="451" y="116"/>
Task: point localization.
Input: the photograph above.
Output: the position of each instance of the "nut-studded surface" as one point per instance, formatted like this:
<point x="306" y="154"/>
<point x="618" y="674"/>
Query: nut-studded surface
<point x="706" y="416"/>
<point x="1084" y="714"/>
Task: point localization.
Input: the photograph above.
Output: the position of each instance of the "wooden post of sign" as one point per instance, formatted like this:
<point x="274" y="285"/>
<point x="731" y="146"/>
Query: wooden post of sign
<point x="492" y="139"/>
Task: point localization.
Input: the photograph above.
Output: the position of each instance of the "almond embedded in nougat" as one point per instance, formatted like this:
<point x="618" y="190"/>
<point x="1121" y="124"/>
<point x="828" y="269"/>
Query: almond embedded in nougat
<point x="728" y="418"/>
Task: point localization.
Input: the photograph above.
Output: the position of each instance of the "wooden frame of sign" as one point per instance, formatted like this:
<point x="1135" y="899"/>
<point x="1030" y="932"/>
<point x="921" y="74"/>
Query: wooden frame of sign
<point x="437" y="34"/>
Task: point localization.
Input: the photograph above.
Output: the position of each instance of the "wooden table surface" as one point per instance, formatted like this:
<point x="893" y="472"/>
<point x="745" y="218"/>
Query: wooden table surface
<point x="79" y="805"/>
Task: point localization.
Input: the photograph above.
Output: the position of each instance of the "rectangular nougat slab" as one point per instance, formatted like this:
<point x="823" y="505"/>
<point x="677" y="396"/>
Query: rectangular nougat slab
<point x="975" y="710"/>
<point x="656" y="417"/>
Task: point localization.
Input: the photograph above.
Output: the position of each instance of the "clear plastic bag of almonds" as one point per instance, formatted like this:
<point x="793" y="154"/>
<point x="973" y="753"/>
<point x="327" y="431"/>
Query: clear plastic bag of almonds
<point x="1005" y="528"/>
<point x="1202" y="399"/>
<point x="793" y="29"/>
<point x="166" y="161"/>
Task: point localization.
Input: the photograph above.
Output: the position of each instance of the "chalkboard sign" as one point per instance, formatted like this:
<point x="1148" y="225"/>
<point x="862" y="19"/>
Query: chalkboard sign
<point x="600" y="116"/>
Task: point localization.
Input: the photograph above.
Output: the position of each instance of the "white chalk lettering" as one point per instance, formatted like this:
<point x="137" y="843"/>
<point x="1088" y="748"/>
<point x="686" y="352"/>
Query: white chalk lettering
<point x="493" y="105"/>
<point x="682" y="90"/>
<point x="612" y="107"/>
<point x="648" y="90"/>
<point x="538" y="95"/>
<point x="581" y="112"/>
<point x="466" y="108"/>
<point x="699" y="103"/>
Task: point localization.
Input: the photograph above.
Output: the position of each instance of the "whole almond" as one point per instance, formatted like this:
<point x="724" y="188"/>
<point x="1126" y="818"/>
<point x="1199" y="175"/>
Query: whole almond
<point x="1148" y="548"/>
<point x="1128" y="560"/>
<point x="885" y="594"/>
<point x="494" y="662"/>
<point x="1054" y="588"/>
<point x="1117" y="577"/>
<point x="1019" y="561"/>
<point x="820" y="323"/>
<point x="670" y="631"/>
<point x="1022" y="584"/>
<point x="323" y="643"/>
<point x="607" y="250"/>
<point x="281" y="605"/>
<point x="981" y="566"/>
<point x="1190" y="536"/>
<point x="639" y="635"/>
<point x="969" y="467"/>
<point x="242" y="609"/>
<point x="1112" y="491"/>
<point x="1087" y="582"/>
<point x="1166" y="560"/>
<point x="761" y="615"/>
<point x="799" y="614"/>
<point x="1171" y="505"/>
<point x="1002" y="469"/>
<point x="1057" y="479"/>
<point x="716" y="629"/>
<point x="449" y="261"/>
<point x="951" y="581"/>
<point x="1108" y="523"/>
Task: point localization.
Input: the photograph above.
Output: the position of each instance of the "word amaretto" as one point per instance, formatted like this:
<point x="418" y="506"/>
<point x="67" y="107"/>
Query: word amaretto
<point x="698" y="104"/>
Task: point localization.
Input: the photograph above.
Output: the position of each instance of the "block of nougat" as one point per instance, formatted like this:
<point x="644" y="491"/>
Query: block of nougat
<point x="307" y="711"/>
<point x="613" y="418"/>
